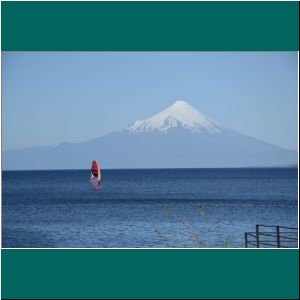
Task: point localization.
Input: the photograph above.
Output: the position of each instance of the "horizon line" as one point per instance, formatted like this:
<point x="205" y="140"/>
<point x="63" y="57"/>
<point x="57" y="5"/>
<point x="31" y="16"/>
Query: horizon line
<point x="293" y="166"/>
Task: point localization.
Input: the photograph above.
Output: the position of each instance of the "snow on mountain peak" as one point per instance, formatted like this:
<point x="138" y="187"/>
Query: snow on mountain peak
<point x="179" y="114"/>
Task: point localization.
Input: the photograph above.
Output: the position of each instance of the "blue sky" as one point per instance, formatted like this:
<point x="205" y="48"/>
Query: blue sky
<point x="52" y="97"/>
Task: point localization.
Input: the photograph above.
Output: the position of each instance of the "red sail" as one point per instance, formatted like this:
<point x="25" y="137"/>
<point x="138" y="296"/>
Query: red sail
<point x="95" y="168"/>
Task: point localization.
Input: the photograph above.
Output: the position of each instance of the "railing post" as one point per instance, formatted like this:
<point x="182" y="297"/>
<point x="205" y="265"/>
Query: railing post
<point x="257" y="236"/>
<point x="246" y="240"/>
<point x="278" y="236"/>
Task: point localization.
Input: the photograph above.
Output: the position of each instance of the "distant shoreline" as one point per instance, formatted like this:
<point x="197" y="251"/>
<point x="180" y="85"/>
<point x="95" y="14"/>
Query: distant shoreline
<point x="126" y="169"/>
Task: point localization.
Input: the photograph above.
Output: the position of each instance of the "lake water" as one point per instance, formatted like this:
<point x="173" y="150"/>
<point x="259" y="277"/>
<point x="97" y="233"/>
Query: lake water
<point x="145" y="208"/>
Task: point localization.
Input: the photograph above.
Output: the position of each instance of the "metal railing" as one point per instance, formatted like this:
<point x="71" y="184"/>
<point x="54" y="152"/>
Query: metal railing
<point x="275" y="237"/>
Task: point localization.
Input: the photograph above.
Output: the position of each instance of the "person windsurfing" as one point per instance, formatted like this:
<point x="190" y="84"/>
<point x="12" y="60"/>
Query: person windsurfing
<point x="95" y="176"/>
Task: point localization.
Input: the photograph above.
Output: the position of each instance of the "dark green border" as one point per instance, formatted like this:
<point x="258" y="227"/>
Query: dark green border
<point x="150" y="26"/>
<point x="156" y="26"/>
<point x="173" y="274"/>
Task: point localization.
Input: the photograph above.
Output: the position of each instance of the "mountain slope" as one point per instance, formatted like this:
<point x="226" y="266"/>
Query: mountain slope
<point x="178" y="137"/>
<point x="180" y="114"/>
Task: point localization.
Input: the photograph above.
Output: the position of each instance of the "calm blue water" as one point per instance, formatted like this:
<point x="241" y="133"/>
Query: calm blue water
<point x="145" y="208"/>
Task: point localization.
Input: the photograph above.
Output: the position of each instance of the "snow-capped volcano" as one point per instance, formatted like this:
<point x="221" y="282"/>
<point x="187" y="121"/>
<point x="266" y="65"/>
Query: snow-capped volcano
<point x="180" y="114"/>
<point x="177" y="137"/>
